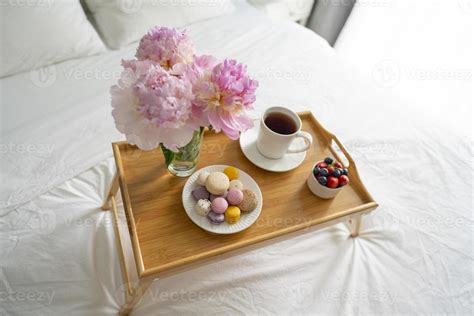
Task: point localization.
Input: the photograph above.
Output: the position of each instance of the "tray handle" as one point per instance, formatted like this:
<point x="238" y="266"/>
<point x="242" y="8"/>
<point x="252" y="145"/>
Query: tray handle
<point x="331" y="138"/>
<point x="352" y="166"/>
<point x="342" y="149"/>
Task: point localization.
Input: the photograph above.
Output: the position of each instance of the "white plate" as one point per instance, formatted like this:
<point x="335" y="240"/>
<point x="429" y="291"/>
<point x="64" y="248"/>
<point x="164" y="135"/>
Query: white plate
<point x="246" y="219"/>
<point x="248" y="144"/>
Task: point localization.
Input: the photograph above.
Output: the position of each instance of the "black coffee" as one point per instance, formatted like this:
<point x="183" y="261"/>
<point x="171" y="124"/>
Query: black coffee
<point x="281" y="123"/>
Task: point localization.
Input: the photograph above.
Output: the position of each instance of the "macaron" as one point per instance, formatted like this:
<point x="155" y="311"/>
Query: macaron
<point x="212" y="196"/>
<point x="234" y="196"/>
<point x="203" y="207"/>
<point x="217" y="183"/>
<point x="200" y="193"/>
<point x="202" y="177"/>
<point x="231" y="172"/>
<point x="249" y="202"/>
<point x="236" y="184"/>
<point x="219" y="205"/>
<point x="232" y="215"/>
<point x="215" y="218"/>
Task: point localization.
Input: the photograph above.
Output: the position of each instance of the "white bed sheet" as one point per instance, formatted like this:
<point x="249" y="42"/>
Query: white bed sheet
<point x="414" y="253"/>
<point x="421" y="50"/>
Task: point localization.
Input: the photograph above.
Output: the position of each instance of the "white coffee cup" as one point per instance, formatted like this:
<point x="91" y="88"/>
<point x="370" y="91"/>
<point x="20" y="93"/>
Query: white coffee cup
<point x="274" y="145"/>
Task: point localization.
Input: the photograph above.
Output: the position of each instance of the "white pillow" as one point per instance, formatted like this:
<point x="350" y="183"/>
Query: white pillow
<point x="36" y="33"/>
<point x="121" y="22"/>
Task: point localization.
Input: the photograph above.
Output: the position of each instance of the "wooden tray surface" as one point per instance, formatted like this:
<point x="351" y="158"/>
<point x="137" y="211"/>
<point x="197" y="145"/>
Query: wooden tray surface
<point x="164" y="237"/>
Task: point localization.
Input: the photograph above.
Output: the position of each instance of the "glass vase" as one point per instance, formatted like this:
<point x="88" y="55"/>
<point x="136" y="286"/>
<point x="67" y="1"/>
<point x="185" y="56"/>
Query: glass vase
<point x="184" y="162"/>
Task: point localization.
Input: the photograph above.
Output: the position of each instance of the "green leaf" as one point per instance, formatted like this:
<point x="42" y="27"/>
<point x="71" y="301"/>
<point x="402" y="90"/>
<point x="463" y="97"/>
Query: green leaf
<point x="169" y="155"/>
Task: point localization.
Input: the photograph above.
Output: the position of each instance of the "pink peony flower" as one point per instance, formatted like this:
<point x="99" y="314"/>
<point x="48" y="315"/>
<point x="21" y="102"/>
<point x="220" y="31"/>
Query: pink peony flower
<point x="223" y="94"/>
<point x="199" y="73"/>
<point x="151" y="106"/>
<point x="166" y="46"/>
<point x="167" y="93"/>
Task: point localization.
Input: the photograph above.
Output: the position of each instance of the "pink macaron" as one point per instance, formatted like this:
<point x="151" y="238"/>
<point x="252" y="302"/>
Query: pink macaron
<point x="235" y="196"/>
<point x="219" y="205"/>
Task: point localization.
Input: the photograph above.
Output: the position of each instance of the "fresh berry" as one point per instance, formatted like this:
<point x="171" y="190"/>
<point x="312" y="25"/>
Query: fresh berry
<point x="322" y="165"/>
<point x="343" y="180"/>
<point x="337" y="173"/>
<point x="338" y="165"/>
<point x="330" y="170"/>
<point x="316" y="171"/>
<point x="345" y="171"/>
<point x="324" y="172"/>
<point x="322" y="180"/>
<point x="328" y="160"/>
<point x="332" y="182"/>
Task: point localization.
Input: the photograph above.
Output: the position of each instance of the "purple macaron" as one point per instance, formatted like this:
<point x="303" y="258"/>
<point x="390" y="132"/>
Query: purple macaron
<point x="215" y="218"/>
<point x="200" y="193"/>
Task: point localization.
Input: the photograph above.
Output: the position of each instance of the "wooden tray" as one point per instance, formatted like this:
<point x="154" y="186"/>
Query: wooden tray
<point x="163" y="237"/>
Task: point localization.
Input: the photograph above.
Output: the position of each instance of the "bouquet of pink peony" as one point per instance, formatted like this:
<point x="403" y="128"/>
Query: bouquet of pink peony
<point x="168" y="95"/>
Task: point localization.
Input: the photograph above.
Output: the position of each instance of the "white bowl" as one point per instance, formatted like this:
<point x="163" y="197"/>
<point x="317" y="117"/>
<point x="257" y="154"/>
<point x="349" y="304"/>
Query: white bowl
<point x="319" y="189"/>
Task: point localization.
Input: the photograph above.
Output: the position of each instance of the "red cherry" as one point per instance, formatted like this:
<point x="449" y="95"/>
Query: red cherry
<point x="322" y="165"/>
<point x="330" y="169"/>
<point x="333" y="182"/>
<point x="338" y="165"/>
<point x="343" y="180"/>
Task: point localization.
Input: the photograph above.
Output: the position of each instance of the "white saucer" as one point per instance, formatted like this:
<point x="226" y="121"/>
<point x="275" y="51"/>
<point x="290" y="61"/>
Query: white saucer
<point x="248" y="144"/>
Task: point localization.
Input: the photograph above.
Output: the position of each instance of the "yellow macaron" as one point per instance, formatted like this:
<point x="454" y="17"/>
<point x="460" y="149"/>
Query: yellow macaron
<point x="232" y="214"/>
<point x="232" y="173"/>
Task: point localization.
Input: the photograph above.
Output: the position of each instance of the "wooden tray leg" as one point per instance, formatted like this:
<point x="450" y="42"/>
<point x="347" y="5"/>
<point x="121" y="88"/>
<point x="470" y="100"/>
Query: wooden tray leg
<point x="136" y="296"/>
<point x="355" y="224"/>
<point x="114" y="186"/>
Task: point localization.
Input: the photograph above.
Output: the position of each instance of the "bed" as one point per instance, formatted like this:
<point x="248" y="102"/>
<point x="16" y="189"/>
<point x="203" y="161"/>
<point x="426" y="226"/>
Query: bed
<point x="414" y="254"/>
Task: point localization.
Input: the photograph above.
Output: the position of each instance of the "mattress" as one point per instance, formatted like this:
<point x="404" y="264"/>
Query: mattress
<point x="414" y="253"/>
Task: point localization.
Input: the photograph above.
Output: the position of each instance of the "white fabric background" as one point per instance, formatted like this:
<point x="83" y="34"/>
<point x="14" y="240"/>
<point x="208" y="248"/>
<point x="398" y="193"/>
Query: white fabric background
<point x="36" y="33"/>
<point x="121" y="22"/>
<point x="414" y="253"/>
